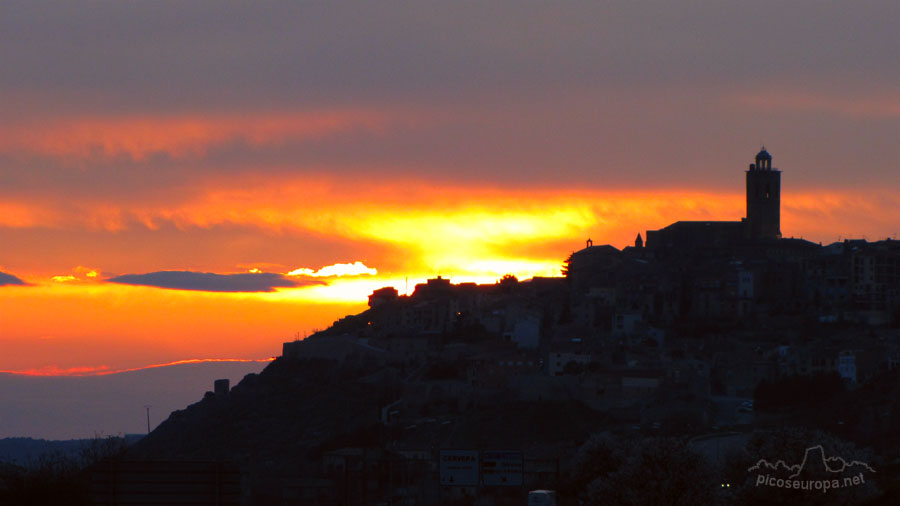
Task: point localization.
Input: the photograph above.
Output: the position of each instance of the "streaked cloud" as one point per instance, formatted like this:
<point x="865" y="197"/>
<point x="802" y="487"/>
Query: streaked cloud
<point x="177" y="136"/>
<point x="211" y="282"/>
<point x="104" y="370"/>
<point x="873" y="105"/>
<point x="24" y="214"/>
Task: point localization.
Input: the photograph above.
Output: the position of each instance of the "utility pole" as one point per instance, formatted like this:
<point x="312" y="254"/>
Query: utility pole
<point x="147" y="407"/>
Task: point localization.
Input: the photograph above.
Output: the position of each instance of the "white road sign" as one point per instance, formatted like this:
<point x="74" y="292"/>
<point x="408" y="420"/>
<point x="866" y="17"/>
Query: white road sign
<point x="459" y="467"/>
<point x="501" y="468"/>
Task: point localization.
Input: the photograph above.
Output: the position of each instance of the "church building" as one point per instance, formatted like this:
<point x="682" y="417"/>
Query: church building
<point x="763" y="220"/>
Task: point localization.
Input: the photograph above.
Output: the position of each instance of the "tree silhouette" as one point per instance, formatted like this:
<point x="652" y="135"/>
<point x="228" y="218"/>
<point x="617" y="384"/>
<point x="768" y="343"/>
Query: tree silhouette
<point x="661" y="471"/>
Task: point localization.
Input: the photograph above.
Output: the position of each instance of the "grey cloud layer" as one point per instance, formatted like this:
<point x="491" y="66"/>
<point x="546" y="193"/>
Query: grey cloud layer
<point x="210" y="282"/>
<point x="9" y="279"/>
<point x="568" y="93"/>
<point x="164" y="53"/>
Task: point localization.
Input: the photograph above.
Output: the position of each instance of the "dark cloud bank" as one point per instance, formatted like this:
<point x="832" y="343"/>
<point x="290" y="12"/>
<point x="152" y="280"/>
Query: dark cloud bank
<point x="9" y="279"/>
<point x="210" y="282"/>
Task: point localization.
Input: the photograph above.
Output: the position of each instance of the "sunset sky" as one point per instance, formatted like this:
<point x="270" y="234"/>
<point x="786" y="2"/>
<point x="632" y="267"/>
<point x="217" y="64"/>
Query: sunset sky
<point x="205" y="180"/>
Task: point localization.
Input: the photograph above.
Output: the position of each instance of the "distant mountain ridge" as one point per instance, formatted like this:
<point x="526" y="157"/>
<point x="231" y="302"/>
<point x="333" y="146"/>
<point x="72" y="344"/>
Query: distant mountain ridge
<point x="82" y="407"/>
<point x="24" y="451"/>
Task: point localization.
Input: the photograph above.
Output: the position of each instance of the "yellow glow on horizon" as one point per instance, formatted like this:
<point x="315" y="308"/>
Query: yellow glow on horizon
<point x="357" y="290"/>
<point x="469" y="239"/>
<point x="402" y="235"/>
<point x="475" y="232"/>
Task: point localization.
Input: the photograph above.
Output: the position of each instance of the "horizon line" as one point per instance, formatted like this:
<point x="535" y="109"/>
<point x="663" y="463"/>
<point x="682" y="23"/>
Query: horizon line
<point x="103" y="370"/>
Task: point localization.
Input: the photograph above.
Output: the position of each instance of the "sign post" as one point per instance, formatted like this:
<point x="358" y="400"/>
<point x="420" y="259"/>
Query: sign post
<point x="502" y="468"/>
<point x="459" y="468"/>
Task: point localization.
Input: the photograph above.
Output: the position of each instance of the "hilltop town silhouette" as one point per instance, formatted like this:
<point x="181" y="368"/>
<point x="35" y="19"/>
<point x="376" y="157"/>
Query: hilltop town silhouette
<point x="458" y="391"/>
<point x="691" y="277"/>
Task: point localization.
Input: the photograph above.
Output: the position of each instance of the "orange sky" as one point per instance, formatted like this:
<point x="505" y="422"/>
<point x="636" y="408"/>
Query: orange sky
<point x="70" y="317"/>
<point x="310" y="227"/>
<point x="468" y="141"/>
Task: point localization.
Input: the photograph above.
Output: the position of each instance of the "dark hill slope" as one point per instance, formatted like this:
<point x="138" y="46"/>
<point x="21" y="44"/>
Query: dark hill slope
<point x="276" y="425"/>
<point x="272" y="423"/>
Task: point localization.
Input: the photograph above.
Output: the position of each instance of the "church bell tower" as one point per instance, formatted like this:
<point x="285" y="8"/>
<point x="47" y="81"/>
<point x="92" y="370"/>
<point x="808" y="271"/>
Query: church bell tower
<point x="763" y="198"/>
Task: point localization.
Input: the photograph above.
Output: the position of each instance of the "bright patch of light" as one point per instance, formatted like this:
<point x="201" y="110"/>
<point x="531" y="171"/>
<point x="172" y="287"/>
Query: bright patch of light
<point x="355" y="269"/>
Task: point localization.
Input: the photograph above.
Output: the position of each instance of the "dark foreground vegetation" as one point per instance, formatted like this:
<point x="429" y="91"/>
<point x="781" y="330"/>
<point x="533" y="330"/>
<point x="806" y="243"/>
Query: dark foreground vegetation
<point x="57" y="477"/>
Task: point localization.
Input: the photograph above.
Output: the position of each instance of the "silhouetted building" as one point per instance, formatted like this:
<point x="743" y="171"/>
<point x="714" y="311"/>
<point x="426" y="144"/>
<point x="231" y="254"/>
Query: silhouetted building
<point x="221" y="387"/>
<point x="713" y="272"/>
<point x="763" y="198"/>
<point x="384" y="295"/>
<point x="763" y="220"/>
<point x="710" y="238"/>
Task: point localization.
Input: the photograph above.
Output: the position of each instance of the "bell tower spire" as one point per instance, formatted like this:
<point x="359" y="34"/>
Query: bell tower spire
<point x="763" y="198"/>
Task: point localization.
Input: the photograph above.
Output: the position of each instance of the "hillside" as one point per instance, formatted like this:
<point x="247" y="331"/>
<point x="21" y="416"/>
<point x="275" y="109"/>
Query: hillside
<point x="278" y="424"/>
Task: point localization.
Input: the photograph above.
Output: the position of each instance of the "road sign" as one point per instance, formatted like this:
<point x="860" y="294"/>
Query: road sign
<point x="459" y="467"/>
<point x="501" y="468"/>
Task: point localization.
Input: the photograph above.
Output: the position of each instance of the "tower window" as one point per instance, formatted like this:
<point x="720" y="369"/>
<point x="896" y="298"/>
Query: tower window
<point x="767" y="191"/>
